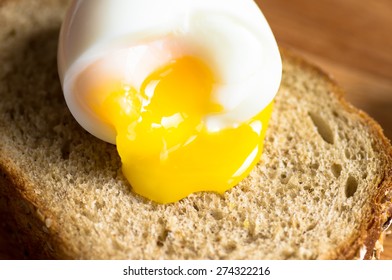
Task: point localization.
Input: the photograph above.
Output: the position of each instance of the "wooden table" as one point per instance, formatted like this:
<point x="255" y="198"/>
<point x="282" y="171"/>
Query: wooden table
<point x="351" y="40"/>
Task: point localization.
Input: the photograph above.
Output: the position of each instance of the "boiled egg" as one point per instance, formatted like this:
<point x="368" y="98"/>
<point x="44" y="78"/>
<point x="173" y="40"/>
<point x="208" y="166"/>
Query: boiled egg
<point x="184" y="88"/>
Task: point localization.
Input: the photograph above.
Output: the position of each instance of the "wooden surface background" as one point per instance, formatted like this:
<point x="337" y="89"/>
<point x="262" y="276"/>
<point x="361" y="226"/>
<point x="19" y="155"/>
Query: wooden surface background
<point x="349" y="39"/>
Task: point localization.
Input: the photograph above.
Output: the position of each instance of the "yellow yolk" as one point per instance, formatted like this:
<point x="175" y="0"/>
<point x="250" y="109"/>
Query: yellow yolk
<point x="166" y="151"/>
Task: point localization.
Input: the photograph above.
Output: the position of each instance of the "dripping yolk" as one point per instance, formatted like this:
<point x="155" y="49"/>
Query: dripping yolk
<point x="166" y="150"/>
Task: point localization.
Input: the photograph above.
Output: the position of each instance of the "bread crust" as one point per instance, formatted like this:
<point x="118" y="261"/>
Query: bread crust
<point x="23" y="218"/>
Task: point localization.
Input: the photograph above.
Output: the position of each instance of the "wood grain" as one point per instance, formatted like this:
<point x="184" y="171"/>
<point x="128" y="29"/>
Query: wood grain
<point x="349" y="39"/>
<point x="352" y="41"/>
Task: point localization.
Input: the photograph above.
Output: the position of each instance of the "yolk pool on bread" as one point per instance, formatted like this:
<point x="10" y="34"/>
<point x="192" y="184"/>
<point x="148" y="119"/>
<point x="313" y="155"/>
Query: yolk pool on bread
<point x="182" y="122"/>
<point x="166" y="150"/>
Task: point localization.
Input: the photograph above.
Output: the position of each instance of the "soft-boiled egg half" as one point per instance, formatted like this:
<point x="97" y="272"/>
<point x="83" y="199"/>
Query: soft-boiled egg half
<point x="184" y="88"/>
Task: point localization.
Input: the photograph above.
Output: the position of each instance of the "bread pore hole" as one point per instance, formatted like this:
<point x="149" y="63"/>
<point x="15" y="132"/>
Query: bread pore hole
<point x="323" y="128"/>
<point x="351" y="186"/>
<point x="217" y="214"/>
<point x="347" y="153"/>
<point x="315" y="166"/>
<point x="99" y="205"/>
<point x="230" y="246"/>
<point x="162" y="238"/>
<point x="336" y="170"/>
<point x="284" y="178"/>
<point x="312" y="226"/>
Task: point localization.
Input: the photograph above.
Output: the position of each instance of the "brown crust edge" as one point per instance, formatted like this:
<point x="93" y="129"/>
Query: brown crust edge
<point x="28" y="219"/>
<point x="24" y="219"/>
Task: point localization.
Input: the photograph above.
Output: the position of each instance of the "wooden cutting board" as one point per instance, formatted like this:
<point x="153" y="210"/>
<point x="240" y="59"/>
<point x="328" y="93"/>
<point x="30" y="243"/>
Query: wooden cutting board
<point x="352" y="41"/>
<point x="349" y="39"/>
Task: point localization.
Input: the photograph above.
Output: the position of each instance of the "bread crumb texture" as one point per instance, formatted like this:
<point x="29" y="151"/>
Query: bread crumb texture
<point x="321" y="190"/>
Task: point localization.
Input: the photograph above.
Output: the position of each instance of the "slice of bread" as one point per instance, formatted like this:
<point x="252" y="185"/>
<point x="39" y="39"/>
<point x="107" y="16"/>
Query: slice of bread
<point x="322" y="190"/>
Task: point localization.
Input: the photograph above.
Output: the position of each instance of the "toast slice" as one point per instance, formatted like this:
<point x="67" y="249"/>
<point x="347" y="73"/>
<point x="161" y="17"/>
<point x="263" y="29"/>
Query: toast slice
<point x="322" y="189"/>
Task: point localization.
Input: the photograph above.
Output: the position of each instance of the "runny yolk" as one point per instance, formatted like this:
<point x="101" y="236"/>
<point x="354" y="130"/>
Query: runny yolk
<point x="166" y="151"/>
